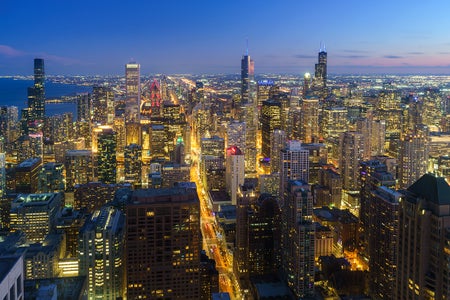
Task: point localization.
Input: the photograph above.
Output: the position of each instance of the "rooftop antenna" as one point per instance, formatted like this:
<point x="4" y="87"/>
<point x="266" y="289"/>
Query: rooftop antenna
<point x="246" y="51"/>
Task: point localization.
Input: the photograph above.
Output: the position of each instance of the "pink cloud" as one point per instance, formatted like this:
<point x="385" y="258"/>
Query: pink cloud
<point x="10" y="51"/>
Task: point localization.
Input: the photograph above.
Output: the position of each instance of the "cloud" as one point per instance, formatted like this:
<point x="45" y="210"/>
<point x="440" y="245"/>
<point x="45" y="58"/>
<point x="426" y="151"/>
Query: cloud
<point x="304" y="56"/>
<point x="10" y="51"/>
<point x="59" y="59"/>
<point x="416" y="53"/>
<point x="445" y="53"/>
<point x="353" y="56"/>
<point x="393" y="56"/>
<point x="354" y="51"/>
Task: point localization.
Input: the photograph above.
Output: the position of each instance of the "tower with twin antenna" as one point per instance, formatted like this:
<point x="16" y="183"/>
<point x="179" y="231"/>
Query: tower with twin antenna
<point x="247" y="76"/>
<point x="320" y="76"/>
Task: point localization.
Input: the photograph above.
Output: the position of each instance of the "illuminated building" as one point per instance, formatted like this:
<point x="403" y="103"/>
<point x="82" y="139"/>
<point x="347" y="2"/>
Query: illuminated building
<point x="351" y="147"/>
<point x="310" y="120"/>
<point x="154" y="102"/>
<point x="158" y="142"/>
<point x="133" y="92"/>
<point x="163" y="243"/>
<point x="306" y="84"/>
<point x="323" y="242"/>
<point x="100" y="252"/>
<point x="413" y="158"/>
<point x="84" y="106"/>
<point x="234" y="171"/>
<point x="172" y="173"/>
<point x="106" y="156"/>
<point x="212" y="172"/>
<point x="298" y="236"/>
<point x="328" y="192"/>
<point x="236" y="134"/>
<point x="263" y="88"/>
<point x="251" y="125"/>
<point x="320" y="75"/>
<point x="294" y="164"/>
<point x="122" y="136"/>
<point x="373" y="173"/>
<point x="382" y="233"/>
<point x="209" y="277"/>
<point x="93" y="195"/>
<point x="35" y="214"/>
<point x="70" y="221"/>
<point x="102" y="105"/>
<point x="270" y="120"/>
<point x="42" y="258"/>
<point x="424" y="240"/>
<point x="318" y="156"/>
<point x="30" y="145"/>
<point x="36" y="94"/>
<point x="277" y="143"/>
<point x="51" y="178"/>
<point x="133" y="164"/>
<point x="247" y="78"/>
<point x="133" y="133"/>
<point x="213" y="146"/>
<point x="79" y="168"/>
<point x="27" y="175"/>
<point x="9" y="123"/>
<point x="334" y="122"/>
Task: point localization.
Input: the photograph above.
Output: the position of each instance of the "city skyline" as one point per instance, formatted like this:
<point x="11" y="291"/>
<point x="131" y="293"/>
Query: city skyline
<point x="201" y="37"/>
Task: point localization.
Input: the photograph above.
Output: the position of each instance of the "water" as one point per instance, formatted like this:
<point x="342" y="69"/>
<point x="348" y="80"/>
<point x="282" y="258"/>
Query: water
<point x="14" y="93"/>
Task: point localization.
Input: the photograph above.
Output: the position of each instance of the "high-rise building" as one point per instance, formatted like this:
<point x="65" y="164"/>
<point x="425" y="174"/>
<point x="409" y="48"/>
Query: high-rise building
<point x="298" y="236"/>
<point x="294" y="164"/>
<point x="106" y="156"/>
<point x="247" y="78"/>
<point x="163" y="243"/>
<point x="133" y="89"/>
<point x="263" y="89"/>
<point x="320" y="75"/>
<point x="93" y="195"/>
<point x="236" y="134"/>
<point x="235" y="171"/>
<point x="423" y="271"/>
<point x="51" y="178"/>
<point x="35" y="214"/>
<point x="351" y="153"/>
<point x="36" y="93"/>
<point x="413" y="158"/>
<point x="27" y="175"/>
<point x="277" y="144"/>
<point x="270" y="120"/>
<point x="310" y="120"/>
<point x="382" y="236"/>
<point x="334" y="122"/>
<point x="213" y="146"/>
<point x="133" y="164"/>
<point x="100" y="253"/>
<point x="84" y="106"/>
<point x="79" y="166"/>
<point x="102" y="105"/>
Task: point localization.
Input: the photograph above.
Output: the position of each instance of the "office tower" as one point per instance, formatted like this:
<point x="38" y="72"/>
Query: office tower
<point x="100" y="252"/>
<point x="158" y="142"/>
<point x="51" y="178"/>
<point x="70" y="221"/>
<point x="236" y="134"/>
<point x="174" y="123"/>
<point x="277" y="144"/>
<point x="373" y="174"/>
<point x="334" y="122"/>
<point x="59" y="128"/>
<point x="35" y="214"/>
<point x="270" y="120"/>
<point x="212" y="172"/>
<point x="27" y="175"/>
<point x="106" y="156"/>
<point x="351" y="145"/>
<point x="247" y="78"/>
<point x="79" y="166"/>
<point x="179" y="152"/>
<point x="93" y="195"/>
<point x="209" y="277"/>
<point x="320" y="75"/>
<point x="413" y="158"/>
<point x="2" y="169"/>
<point x="298" y="235"/>
<point x="84" y="105"/>
<point x="310" y="120"/>
<point x="213" y="146"/>
<point x="328" y="192"/>
<point x="102" y="105"/>
<point x="263" y="88"/>
<point x="378" y="137"/>
<point x="133" y="164"/>
<point x="423" y="242"/>
<point x="133" y="133"/>
<point x="8" y="123"/>
<point x="133" y="90"/>
<point x="36" y="93"/>
<point x="171" y="173"/>
<point x="294" y="164"/>
<point x="120" y="129"/>
<point x="306" y="84"/>
<point x="235" y="171"/>
<point x="42" y="257"/>
<point x="251" y="125"/>
<point x="163" y="243"/>
<point x="155" y="99"/>
<point x="382" y="236"/>
<point x="318" y="156"/>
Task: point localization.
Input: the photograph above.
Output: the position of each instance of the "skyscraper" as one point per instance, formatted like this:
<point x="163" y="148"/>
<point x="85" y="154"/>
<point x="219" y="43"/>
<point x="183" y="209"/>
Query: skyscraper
<point x="106" y="156"/>
<point x="235" y="171"/>
<point x="270" y="120"/>
<point x="423" y="270"/>
<point x="133" y="164"/>
<point x="163" y="243"/>
<point x="100" y="252"/>
<point x="133" y="89"/>
<point x="320" y="75"/>
<point x="294" y="164"/>
<point x="103" y="105"/>
<point x="247" y="78"/>
<point x="413" y="158"/>
<point x="36" y="93"/>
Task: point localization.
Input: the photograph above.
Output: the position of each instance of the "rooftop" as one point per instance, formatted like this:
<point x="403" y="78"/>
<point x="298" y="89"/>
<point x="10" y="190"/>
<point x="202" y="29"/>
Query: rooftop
<point x="432" y="188"/>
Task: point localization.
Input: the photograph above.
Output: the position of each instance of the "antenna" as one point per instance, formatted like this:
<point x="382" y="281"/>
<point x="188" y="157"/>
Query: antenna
<point x="246" y="51"/>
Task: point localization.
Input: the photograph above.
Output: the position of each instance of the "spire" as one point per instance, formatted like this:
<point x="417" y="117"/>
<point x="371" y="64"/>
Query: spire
<point x="246" y="49"/>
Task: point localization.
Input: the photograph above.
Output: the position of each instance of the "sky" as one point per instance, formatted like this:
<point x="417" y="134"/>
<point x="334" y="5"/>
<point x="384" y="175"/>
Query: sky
<point x="90" y="37"/>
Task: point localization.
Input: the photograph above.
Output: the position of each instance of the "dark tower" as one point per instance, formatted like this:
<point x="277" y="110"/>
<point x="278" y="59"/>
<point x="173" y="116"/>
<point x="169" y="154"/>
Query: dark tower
<point x="320" y="75"/>
<point x="36" y="93"/>
<point x="247" y="76"/>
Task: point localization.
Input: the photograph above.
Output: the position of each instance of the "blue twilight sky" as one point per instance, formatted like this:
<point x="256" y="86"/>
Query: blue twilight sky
<point x="199" y="36"/>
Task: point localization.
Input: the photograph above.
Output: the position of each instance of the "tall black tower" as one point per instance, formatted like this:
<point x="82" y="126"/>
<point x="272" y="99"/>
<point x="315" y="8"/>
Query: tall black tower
<point x="320" y="75"/>
<point x="36" y="93"/>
